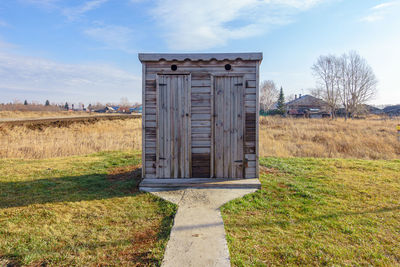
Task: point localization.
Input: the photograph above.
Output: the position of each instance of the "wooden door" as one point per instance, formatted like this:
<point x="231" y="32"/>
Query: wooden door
<point x="173" y="127"/>
<point x="228" y="127"/>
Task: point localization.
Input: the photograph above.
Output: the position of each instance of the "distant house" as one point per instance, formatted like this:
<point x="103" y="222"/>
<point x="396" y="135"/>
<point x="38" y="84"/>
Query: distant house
<point x="137" y="109"/>
<point x="106" y="110"/>
<point x="307" y="106"/>
<point x="363" y="110"/>
<point x="123" y="109"/>
<point x="392" y="110"/>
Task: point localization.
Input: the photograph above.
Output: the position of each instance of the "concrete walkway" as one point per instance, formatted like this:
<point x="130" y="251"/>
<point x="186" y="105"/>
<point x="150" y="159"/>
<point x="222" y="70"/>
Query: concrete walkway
<point x="198" y="235"/>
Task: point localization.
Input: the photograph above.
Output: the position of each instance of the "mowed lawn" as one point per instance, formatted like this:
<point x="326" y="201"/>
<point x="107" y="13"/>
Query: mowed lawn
<point x="82" y="211"/>
<point x="318" y="212"/>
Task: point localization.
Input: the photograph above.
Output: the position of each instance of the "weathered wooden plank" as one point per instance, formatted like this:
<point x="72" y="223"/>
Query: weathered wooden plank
<point x="212" y="141"/>
<point x="201" y="143"/>
<point x="250" y="103"/>
<point x="188" y="81"/>
<point x="143" y="121"/>
<point x="175" y="129"/>
<point x="201" y="110"/>
<point x="250" y="109"/>
<point x="150" y="111"/>
<point x="201" y="117"/>
<point x="219" y="69"/>
<point x="201" y="90"/>
<point x="150" y="98"/>
<point x="201" y="76"/>
<point x="202" y="103"/>
<point x="201" y="130"/>
<point x="201" y="123"/>
<point x="201" y="97"/>
<point x="233" y="127"/>
<point x="204" y="63"/>
<point x="241" y="131"/>
<point x="218" y="164"/>
<point x="251" y="164"/>
<point x="150" y="117"/>
<point x="149" y="171"/>
<point x="251" y="97"/>
<point x="150" y="144"/>
<point x="170" y="88"/>
<point x="250" y="91"/>
<point x="201" y="83"/>
<point x="200" y="150"/>
<point x="250" y="157"/>
<point x="150" y="157"/>
<point x="250" y="84"/>
<point x="151" y="124"/>
<point x="257" y="116"/>
<point x="250" y="175"/>
<point x="150" y="164"/>
<point x="201" y="136"/>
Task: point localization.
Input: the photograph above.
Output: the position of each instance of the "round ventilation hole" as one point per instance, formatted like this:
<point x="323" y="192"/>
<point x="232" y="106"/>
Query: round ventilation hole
<point x="228" y="67"/>
<point x="174" y="67"/>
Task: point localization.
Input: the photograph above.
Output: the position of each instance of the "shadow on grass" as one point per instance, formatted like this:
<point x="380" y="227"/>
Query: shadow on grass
<point x="69" y="188"/>
<point x="120" y="182"/>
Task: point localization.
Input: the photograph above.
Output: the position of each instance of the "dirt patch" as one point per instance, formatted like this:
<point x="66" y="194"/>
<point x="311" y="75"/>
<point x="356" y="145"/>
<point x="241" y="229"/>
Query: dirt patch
<point x="265" y="170"/>
<point x="40" y="124"/>
<point x="139" y="252"/>
<point x="125" y="173"/>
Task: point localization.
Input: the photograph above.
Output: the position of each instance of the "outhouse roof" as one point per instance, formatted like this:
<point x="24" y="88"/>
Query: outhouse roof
<point x="143" y="57"/>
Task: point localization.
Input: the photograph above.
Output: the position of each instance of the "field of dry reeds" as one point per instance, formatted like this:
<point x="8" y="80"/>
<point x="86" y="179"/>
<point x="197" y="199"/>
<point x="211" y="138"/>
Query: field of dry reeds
<point x="363" y="139"/>
<point x="280" y="137"/>
<point x="75" y="139"/>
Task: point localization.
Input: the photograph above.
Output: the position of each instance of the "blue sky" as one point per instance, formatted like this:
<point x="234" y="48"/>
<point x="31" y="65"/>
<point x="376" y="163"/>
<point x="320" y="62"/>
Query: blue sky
<point x="86" y="51"/>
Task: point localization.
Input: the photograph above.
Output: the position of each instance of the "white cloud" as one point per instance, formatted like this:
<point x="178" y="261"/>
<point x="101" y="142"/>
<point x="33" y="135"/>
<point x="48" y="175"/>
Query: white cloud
<point x="198" y="25"/>
<point x="40" y="78"/>
<point x="72" y="13"/>
<point x="113" y="37"/>
<point x="379" y="12"/>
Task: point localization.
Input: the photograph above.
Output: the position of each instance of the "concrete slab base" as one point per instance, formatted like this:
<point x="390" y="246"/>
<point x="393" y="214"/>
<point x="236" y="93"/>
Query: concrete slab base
<point x="198" y="235"/>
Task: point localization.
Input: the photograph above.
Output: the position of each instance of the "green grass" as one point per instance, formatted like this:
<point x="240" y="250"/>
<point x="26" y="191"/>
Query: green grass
<point x="82" y="210"/>
<point x="318" y="212"/>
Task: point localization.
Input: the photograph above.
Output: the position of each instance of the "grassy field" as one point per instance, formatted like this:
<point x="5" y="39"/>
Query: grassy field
<point x="80" y="211"/>
<point x="86" y="210"/>
<point x="335" y="212"/>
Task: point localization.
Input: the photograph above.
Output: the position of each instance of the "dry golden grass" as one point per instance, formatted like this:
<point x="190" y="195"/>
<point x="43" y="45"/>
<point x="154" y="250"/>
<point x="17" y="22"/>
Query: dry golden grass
<point x="364" y="139"/>
<point x="280" y="137"/>
<point x="76" y="139"/>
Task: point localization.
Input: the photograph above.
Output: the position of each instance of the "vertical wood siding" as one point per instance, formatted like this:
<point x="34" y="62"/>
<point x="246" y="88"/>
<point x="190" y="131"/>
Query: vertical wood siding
<point x="201" y="112"/>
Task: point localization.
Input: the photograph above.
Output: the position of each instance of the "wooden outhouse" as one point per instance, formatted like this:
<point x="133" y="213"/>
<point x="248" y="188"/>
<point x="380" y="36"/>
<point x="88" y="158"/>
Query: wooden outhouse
<point x="200" y="115"/>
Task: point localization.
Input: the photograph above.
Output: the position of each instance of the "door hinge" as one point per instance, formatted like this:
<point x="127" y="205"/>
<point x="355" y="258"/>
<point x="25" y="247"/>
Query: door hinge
<point x="238" y="84"/>
<point x="162" y="84"/>
<point x="238" y="161"/>
<point x="161" y="158"/>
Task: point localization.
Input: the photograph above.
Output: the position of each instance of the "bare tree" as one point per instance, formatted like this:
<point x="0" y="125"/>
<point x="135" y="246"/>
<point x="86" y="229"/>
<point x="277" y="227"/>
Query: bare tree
<point x="326" y="70"/>
<point x="268" y="95"/>
<point x="316" y="92"/>
<point x="347" y="80"/>
<point x="357" y="84"/>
